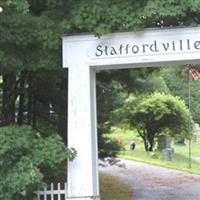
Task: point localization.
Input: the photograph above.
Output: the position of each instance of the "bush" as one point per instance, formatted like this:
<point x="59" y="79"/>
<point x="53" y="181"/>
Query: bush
<point x="22" y="152"/>
<point x="107" y="147"/>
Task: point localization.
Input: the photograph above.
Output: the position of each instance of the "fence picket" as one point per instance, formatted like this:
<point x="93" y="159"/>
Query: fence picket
<point x="45" y="193"/>
<point x="59" y="192"/>
<point x="53" y="193"/>
<point x="65" y="190"/>
<point x="38" y="196"/>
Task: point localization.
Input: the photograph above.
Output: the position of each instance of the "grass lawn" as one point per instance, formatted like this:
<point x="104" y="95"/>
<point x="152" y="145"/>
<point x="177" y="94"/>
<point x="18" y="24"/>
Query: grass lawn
<point x="112" y="189"/>
<point x="179" y="160"/>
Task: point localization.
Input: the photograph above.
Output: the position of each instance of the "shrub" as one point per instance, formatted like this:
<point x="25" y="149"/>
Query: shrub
<point x="22" y="152"/>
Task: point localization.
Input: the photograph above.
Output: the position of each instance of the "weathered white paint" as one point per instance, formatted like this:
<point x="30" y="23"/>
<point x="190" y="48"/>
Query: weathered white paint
<point x="82" y="172"/>
<point x="83" y="55"/>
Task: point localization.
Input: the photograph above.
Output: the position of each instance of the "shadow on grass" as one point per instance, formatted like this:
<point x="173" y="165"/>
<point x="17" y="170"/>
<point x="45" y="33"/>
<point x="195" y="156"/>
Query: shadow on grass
<point x="112" y="189"/>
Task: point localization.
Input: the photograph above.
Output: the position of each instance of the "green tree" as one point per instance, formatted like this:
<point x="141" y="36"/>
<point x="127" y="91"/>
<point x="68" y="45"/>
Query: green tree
<point x="30" y="65"/>
<point x="113" y="88"/>
<point x="23" y="152"/>
<point x="155" y="114"/>
<point x="31" y="43"/>
<point x="177" y="80"/>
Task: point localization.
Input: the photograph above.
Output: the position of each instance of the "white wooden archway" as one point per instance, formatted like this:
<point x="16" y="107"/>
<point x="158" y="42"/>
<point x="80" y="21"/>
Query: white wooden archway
<point x="83" y="55"/>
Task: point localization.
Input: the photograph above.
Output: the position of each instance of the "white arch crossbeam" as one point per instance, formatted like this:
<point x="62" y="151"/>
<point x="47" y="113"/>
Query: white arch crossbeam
<point x="83" y="55"/>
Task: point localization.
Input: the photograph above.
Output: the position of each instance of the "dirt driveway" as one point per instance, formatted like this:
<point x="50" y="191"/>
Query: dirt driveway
<point x="156" y="183"/>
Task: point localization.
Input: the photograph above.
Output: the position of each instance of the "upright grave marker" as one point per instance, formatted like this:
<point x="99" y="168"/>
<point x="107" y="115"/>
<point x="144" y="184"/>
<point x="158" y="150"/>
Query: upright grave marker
<point x="83" y="55"/>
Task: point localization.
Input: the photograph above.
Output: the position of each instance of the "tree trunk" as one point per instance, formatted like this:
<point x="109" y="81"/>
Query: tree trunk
<point x="30" y="99"/>
<point x="8" y="98"/>
<point x="146" y="145"/>
<point x="150" y="141"/>
<point x="63" y="110"/>
<point x="21" y="99"/>
<point x="34" y="119"/>
<point x="150" y="148"/>
<point x="144" y="138"/>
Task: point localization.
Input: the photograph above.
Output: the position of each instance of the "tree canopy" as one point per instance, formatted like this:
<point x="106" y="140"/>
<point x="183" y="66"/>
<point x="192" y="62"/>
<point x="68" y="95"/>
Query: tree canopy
<point x="177" y="80"/>
<point x="33" y="85"/>
<point x="155" y="114"/>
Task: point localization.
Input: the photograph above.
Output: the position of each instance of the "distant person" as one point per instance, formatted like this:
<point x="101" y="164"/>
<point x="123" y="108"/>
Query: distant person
<point x="132" y="145"/>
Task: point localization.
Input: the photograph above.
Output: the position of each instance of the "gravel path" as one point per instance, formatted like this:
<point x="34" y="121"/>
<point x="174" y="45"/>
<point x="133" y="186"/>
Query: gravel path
<point x="151" y="182"/>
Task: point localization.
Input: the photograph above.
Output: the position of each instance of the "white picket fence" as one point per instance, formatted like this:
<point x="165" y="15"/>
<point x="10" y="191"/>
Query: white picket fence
<point x="53" y="193"/>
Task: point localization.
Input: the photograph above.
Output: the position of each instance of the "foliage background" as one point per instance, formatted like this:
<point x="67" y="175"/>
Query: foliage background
<point x="23" y="155"/>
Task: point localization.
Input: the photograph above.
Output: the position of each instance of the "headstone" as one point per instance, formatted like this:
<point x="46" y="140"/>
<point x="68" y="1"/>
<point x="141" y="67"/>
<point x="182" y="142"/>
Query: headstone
<point x="181" y="141"/>
<point x="164" y="141"/>
<point x="196" y="127"/>
<point x="195" y="138"/>
<point x="167" y="153"/>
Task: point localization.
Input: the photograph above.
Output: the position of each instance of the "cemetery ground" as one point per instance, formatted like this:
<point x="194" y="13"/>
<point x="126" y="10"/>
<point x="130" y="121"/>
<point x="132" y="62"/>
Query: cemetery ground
<point x="179" y="159"/>
<point x="150" y="182"/>
<point x="151" y="178"/>
<point x="113" y="189"/>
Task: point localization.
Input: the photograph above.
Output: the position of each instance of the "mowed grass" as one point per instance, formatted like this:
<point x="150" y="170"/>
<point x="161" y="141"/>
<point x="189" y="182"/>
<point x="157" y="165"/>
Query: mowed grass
<point x="180" y="160"/>
<point x="112" y="189"/>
